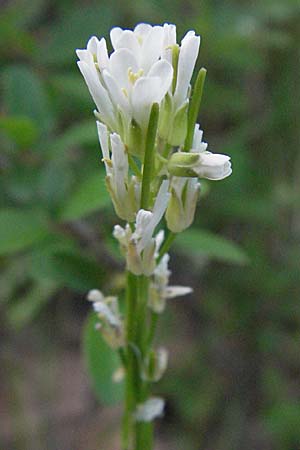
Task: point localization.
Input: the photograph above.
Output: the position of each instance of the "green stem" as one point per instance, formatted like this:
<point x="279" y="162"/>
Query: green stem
<point x="130" y="398"/>
<point x="148" y="166"/>
<point x="194" y="109"/>
<point x="166" y="245"/>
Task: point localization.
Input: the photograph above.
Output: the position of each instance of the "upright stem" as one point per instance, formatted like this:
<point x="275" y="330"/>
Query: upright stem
<point x="139" y="435"/>
<point x="148" y="167"/>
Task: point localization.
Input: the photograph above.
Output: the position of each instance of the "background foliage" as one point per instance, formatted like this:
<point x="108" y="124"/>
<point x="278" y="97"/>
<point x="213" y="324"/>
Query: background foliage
<point x="233" y="381"/>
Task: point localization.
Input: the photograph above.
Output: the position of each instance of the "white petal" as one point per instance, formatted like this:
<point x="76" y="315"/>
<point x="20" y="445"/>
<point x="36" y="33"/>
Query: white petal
<point x="102" y="54"/>
<point x="119" y="63"/>
<point x="187" y="58"/>
<point x="97" y="91"/>
<point x="177" y="291"/>
<point x="115" y="35"/>
<point x="120" y="167"/>
<point x="92" y="45"/>
<point x="159" y="208"/>
<point x="128" y="40"/>
<point x="103" y="138"/>
<point x="115" y="92"/>
<point x="198" y="145"/>
<point x="142" y="30"/>
<point x="164" y="71"/>
<point x="85" y="55"/>
<point x="152" y="48"/>
<point x="169" y="41"/>
<point x="143" y="219"/>
<point x="213" y="166"/>
<point x="95" y="296"/>
<point x="144" y="94"/>
<point x="149" y="410"/>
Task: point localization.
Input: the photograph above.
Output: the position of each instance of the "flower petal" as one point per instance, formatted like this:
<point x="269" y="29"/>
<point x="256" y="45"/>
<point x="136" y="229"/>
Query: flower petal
<point x="128" y="40"/>
<point x="152" y="48"/>
<point x="97" y="91"/>
<point x="115" y="92"/>
<point x="119" y="63"/>
<point x="102" y="54"/>
<point x="144" y="94"/>
<point x="213" y="166"/>
<point x="187" y="58"/>
<point x="115" y="35"/>
<point x="164" y="71"/>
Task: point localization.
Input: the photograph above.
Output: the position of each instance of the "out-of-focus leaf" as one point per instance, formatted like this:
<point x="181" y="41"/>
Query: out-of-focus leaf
<point x="72" y="87"/>
<point x="54" y="182"/>
<point x="84" y="133"/>
<point x="67" y="268"/>
<point x="90" y="196"/>
<point x="22" y="130"/>
<point x="24" y="95"/>
<point x="23" y="13"/>
<point x="72" y="31"/>
<point x="26" y="308"/>
<point x="101" y="362"/>
<point x="204" y="243"/>
<point x="20" y="229"/>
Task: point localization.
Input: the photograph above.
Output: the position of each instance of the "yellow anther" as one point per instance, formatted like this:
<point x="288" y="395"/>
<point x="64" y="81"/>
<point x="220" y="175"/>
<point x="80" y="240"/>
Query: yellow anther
<point x="108" y="162"/>
<point x="125" y="92"/>
<point x="132" y="77"/>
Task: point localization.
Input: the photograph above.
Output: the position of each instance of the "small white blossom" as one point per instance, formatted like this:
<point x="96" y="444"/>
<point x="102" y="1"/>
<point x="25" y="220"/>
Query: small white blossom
<point x="182" y="205"/>
<point x="150" y="410"/>
<point x="160" y="291"/>
<point x="140" y="247"/>
<point x="199" y="162"/>
<point x="110" y="324"/>
<point x="124" y="191"/>
<point x="212" y="166"/>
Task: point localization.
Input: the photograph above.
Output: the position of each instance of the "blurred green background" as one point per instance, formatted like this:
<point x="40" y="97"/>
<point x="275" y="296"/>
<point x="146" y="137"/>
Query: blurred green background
<point x="233" y="381"/>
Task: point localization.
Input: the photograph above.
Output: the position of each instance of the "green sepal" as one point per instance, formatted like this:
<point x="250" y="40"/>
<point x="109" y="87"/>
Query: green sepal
<point x="182" y="164"/>
<point x="180" y="123"/>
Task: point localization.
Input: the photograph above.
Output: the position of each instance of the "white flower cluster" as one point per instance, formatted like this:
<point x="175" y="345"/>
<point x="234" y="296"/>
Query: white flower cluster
<point x="147" y="66"/>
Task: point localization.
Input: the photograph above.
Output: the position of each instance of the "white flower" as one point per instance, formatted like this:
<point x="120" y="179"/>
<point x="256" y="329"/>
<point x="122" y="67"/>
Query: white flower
<point x="182" y="205"/>
<point x="125" y="84"/>
<point x="159" y="289"/>
<point x="125" y="192"/>
<point x="199" y="162"/>
<point x="107" y="310"/>
<point x="150" y="410"/>
<point x="212" y="166"/>
<point x="140" y="247"/>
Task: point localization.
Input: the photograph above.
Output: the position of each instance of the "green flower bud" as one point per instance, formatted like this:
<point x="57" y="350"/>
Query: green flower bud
<point x="182" y="164"/>
<point x="155" y="364"/>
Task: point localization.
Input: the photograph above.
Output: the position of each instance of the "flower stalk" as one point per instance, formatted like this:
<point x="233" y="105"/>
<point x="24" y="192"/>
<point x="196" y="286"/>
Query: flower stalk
<point x="153" y="155"/>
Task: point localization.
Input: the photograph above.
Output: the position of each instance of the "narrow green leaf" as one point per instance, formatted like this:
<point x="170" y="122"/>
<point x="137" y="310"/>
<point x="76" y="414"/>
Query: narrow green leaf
<point x="101" y="362"/>
<point x="20" y="229"/>
<point x="204" y="243"/>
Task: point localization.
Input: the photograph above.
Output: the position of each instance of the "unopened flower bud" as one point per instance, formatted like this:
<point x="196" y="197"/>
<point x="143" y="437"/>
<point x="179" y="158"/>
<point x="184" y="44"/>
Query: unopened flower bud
<point x="155" y="365"/>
